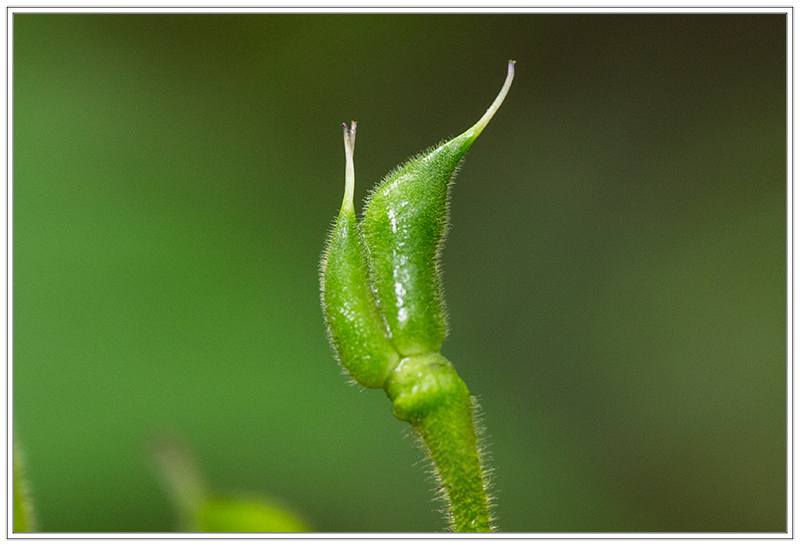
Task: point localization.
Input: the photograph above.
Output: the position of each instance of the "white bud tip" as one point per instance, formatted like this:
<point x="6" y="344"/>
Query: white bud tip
<point x="484" y="121"/>
<point x="350" y="174"/>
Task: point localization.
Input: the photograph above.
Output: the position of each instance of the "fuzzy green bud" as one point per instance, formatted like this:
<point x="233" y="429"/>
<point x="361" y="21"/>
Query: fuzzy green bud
<point x="405" y="223"/>
<point x="384" y="309"/>
<point x="355" y="327"/>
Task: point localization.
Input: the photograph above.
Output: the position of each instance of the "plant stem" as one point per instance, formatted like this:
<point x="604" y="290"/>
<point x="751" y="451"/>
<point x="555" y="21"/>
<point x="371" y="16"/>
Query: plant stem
<point x="427" y="392"/>
<point x="459" y="471"/>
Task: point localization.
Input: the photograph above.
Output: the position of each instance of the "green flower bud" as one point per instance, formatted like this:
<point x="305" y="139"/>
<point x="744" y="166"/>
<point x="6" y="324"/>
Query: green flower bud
<point x="404" y="226"/>
<point x="384" y="309"/>
<point x="356" y="329"/>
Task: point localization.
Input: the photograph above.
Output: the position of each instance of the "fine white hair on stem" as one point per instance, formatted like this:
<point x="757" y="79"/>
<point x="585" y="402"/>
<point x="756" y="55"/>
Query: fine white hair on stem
<point x="485" y="457"/>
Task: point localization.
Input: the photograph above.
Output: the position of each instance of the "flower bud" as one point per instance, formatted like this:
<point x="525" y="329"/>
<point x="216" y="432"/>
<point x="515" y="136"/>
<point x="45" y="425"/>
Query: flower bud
<point x="405" y="223"/>
<point x="356" y="329"/>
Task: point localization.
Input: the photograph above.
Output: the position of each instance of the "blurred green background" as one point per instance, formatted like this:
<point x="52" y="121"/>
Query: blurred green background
<point x="615" y="273"/>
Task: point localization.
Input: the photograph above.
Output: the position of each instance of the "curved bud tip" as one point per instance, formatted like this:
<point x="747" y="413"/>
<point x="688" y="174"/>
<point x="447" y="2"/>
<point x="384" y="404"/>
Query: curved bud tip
<point x="350" y="173"/>
<point x="476" y="129"/>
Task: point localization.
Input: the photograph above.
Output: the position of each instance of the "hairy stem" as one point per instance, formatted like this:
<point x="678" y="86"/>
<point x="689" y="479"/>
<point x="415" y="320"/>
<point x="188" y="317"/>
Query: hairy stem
<point x="427" y="392"/>
<point x="459" y="470"/>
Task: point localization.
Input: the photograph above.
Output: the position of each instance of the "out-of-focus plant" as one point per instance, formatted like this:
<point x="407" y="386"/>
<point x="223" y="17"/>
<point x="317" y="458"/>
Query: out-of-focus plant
<point x="24" y="521"/>
<point x="202" y="509"/>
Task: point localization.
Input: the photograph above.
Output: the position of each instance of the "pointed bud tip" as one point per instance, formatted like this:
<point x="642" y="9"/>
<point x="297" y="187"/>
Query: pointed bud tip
<point x="476" y="129"/>
<point x="350" y="177"/>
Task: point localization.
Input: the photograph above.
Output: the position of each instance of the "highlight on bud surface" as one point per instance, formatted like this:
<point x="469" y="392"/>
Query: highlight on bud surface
<point x="384" y="309"/>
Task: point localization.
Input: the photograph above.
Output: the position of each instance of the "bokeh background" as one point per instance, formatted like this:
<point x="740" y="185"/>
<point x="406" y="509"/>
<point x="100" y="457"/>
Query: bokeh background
<point x="615" y="273"/>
